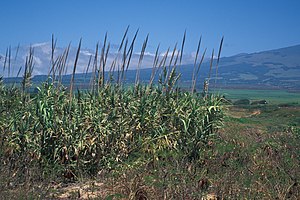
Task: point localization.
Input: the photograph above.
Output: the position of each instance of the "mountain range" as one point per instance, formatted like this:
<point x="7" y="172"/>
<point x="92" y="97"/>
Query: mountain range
<point x="279" y="68"/>
<point x="272" y="69"/>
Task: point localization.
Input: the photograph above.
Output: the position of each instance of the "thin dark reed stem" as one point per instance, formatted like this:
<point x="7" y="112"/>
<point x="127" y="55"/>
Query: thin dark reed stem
<point x="182" y="46"/>
<point x="74" y="70"/>
<point x="218" y="60"/>
<point x="9" y="62"/>
<point x="171" y="59"/>
<point x="209" y="74"/>
<point x="130" y="51"/>
<point x="15" y="58"/>
<point x="29" y="65"/>
<point x="5" y="60"/>
<point x="102" y="64"/>
<point x="19" y="71"/>
<point x="123" y="39"/>
<point x="124" y="57"/>
<point x="198" y="69"/>
<point x="211" y="64"/>
<point x="154" y="67"/>
<point x="162" y="65"/>
<point x="53" y="46"/>
<point x="195" y="64"/>
<point x="88" y="67"/>
<point x="137" y="78"/>
<point x="93" y="78"/>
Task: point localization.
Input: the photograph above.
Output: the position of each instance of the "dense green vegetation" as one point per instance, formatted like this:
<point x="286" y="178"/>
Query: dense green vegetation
<point x="52" y="132"/>
<point x="60" y="134"/>
<point x="89" y="131"/>
<point x="142" y="141"/>
<point x="255" y="155"/>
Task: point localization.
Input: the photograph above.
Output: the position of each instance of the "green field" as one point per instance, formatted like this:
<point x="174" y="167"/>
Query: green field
<point x="271" y="96"/>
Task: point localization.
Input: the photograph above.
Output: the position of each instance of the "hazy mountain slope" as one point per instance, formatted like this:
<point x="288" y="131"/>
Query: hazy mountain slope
<point x="279" y="68"/>
<point x="275" y="68"/>
<point x="43" y="51"/>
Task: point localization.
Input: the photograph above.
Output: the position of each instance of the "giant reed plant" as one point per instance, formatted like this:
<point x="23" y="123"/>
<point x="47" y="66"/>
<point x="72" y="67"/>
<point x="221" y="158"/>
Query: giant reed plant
<point x="85" y="131"/>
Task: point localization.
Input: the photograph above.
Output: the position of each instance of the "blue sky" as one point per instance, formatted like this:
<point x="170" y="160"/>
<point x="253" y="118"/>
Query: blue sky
<point x="247" y="25"/>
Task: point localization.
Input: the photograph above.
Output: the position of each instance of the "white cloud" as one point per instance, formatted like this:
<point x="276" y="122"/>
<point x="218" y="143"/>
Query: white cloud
<point x="170" y="53"/>
<point x="145" y="53"/>
<point x="42" y="56"/>
<point x="86" y="52"/>
<point x="37" y="61"/>
<point x="40" y="44"/>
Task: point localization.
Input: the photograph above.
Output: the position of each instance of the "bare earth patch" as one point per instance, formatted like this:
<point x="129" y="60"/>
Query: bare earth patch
<point x="84" y="190"/>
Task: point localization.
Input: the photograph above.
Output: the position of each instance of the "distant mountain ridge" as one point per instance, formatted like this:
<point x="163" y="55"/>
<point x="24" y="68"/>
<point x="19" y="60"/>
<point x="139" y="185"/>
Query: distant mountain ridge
<point x="278" y="68"/>
<point x="275" y="68"/>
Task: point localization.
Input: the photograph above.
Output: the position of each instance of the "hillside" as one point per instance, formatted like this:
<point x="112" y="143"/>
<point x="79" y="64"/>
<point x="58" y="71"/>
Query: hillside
<point x="273" y="69"/>
<point x="278" y="68"/>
